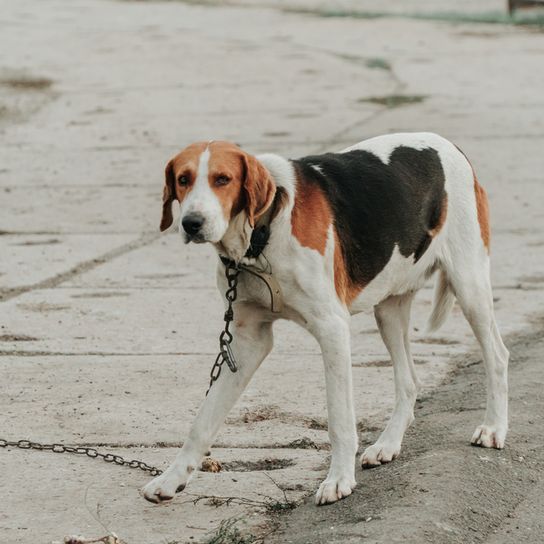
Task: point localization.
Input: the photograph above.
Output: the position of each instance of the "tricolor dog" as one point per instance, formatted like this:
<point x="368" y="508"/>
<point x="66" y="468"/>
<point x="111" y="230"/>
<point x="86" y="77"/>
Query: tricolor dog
<point x="353" y="231"/>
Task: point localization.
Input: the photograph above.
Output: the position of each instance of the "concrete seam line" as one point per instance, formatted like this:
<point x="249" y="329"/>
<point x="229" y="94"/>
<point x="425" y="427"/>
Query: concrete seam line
<point x="80" y="268"/>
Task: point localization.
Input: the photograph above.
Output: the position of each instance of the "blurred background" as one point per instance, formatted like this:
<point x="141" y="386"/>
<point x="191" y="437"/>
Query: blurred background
<point x="108" y="330"/>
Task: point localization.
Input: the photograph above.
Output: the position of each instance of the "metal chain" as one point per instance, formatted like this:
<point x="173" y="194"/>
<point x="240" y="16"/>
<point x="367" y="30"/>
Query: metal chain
<point x="232" y="271"/>
<point x="81" y="450"/>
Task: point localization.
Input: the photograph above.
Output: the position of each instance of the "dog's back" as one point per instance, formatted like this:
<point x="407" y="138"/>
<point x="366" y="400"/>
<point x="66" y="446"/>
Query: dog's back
<point x="379" y="204"/>
<point x="402" y="205"/>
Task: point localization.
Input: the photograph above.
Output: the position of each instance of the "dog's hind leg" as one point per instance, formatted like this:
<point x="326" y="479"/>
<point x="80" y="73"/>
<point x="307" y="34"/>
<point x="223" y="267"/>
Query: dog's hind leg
<point x="252" y="343"/>
<point x="393" y="318"/>
<point x="472" y="288"/>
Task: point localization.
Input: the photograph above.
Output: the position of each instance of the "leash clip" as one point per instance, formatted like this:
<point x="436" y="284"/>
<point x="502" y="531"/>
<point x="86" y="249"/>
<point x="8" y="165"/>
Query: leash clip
<point x="228" y="357"/>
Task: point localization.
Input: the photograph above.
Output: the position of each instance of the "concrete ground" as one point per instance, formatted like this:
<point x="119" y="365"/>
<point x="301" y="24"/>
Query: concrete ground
<point x="108" y="330"/>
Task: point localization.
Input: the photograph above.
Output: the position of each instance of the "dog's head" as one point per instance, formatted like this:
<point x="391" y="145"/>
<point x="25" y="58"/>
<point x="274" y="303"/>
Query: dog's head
<point x="214" y="183"/>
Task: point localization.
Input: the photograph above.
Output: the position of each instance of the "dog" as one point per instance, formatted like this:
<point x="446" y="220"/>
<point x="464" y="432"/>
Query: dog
<point x="352" y="231"/>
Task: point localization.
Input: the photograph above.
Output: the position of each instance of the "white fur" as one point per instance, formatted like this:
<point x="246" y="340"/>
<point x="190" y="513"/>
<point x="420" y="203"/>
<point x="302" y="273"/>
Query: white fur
<point x="307" y="281"/>
<point x="383" y="146"/>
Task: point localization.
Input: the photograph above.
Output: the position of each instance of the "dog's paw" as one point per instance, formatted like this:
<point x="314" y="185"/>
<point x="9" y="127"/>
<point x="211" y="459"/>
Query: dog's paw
<point x="163" y="488"/>
<point x="379" y="454"/>
<point x="334" y="489"/>
<point x="489" y="436"/>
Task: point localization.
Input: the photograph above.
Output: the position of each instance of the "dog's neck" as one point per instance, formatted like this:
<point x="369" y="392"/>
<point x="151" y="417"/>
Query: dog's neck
<point x="241" y="242"/>
<point x="237" y="240"/>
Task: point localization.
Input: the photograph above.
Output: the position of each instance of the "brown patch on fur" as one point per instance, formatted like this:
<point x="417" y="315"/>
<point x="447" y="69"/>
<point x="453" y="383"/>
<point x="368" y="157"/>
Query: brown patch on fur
<point x="442" y="219"/>
<point x="482" y="206"/>
<point x="311" y="216"/>
<point x="310" y="221"/>
<point x="226" y="160"/>
<point x="259" y="188"/>
<point x="345" y="289"/>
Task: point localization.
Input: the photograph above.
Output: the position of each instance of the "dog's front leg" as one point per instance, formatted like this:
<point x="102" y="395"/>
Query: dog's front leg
<point x="334" y="338"/>
<point x="252" y="343"/>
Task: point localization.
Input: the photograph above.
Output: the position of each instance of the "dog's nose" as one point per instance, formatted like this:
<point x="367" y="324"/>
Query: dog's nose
<point x="192" y="223"/>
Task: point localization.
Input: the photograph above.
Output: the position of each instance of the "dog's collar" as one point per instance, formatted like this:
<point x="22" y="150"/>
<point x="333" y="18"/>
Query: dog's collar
<point x="260" y="234"/>
<point x="257" y="243"/>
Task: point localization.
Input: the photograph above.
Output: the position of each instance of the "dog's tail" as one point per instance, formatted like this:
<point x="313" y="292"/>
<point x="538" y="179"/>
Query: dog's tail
<point x="442" y="304"/>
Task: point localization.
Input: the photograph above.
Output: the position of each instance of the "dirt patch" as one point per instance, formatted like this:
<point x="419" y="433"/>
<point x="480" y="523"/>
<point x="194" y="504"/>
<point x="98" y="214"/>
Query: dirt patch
<point x="49" y="242"/>
<point x="256" y="466"/>
<point x="394" y="100"/>
<point x="532" y="279"/>
<point x="384" y="363"/>
<point x="378" y="63"/>
<point x="478" y="34"/>
<point x="102" y="294"/>
<point x="22" y="95"/>
<point x="4" y="112"/>
<point x="376" y="364"/>
<point x="300" y="115"/>
<point x="17" y="338"/>
<point x="364" y="427"/>
<point x="303" y="444"/>
<point x="272" y="412"/>
<point x="278" y="134"/>
<point x="262" y="413"/>
<point x="26" y="83"/>
<point x="160" y="276"/>
<point x="438" y="341"/>
<point x="43" y="307"/>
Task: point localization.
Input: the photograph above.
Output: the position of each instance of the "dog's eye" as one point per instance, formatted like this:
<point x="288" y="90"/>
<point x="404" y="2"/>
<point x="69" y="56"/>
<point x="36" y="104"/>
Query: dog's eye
<point x="183" y="180"/>
<point x="222" y="180"/>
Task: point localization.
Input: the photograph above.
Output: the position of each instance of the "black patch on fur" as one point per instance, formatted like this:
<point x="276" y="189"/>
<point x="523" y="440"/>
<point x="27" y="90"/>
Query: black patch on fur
<point x="378" y="205"/>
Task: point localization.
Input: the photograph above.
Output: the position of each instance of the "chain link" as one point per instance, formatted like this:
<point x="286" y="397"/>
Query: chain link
<point x="80" y="450"/>
<point x="225" y="355"/>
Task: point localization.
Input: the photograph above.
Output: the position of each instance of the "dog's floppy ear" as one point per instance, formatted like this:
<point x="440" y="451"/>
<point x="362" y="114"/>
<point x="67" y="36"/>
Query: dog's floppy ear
<point x="259" y="188"/>
<point x="168" y="196"/>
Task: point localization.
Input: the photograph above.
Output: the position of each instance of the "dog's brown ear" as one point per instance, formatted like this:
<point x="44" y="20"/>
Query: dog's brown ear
<point x="168" y="196"/>
<point x="259" y="188"/>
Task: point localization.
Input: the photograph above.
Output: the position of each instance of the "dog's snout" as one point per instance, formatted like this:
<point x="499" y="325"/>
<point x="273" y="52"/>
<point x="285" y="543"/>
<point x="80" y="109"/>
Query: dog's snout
<point x="192" y="223"/>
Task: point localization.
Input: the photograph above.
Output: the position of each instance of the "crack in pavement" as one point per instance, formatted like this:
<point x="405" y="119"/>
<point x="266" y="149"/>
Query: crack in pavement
<point x="85" y="266"/>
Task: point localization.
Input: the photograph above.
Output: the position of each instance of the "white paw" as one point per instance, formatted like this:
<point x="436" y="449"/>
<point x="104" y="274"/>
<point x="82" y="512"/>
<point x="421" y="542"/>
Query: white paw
<point x="334" y="489"/>
<point x="489" y="436"/>
<point x="379" y="454"/>
<point x="163" y="487"/>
